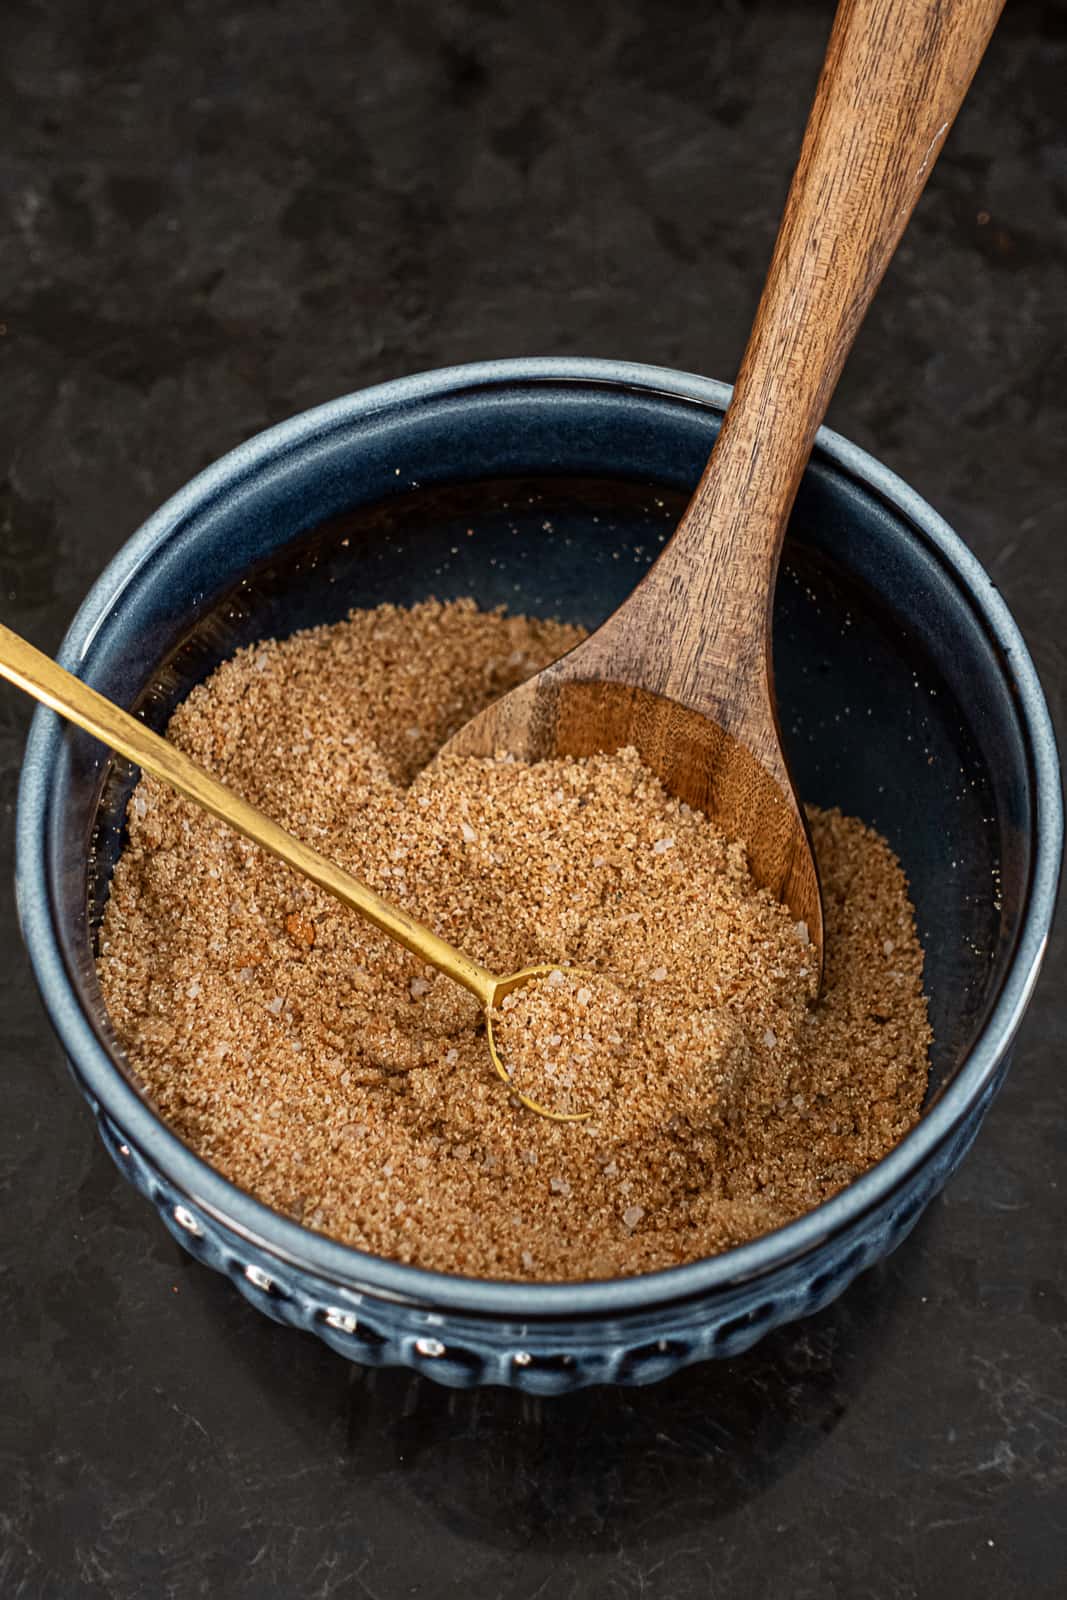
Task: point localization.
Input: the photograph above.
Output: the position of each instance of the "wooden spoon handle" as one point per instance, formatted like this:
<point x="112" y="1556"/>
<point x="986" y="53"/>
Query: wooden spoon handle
<point x="895" y="74"/>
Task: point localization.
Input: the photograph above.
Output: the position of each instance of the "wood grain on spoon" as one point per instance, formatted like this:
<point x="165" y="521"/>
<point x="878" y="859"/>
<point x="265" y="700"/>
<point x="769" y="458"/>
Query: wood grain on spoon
<point x="682" y="670"/>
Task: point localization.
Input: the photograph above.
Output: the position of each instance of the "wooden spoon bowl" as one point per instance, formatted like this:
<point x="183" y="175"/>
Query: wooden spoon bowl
<point x="567" y="710"/>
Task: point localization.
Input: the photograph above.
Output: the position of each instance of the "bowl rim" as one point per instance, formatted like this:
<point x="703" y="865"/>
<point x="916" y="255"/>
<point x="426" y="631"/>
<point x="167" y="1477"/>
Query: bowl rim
<point x="356" y="1271"/>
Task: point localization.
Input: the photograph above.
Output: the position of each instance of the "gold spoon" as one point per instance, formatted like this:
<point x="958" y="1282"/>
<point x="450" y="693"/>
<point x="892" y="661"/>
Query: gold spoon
<point x="44" y="679"/>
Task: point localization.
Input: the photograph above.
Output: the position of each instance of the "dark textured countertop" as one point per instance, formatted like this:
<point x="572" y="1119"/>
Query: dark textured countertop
<point x="216" y="215"/>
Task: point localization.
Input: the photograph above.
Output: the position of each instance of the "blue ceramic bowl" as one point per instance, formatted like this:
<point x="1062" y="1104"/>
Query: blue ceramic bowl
<point x="907" y="698"/>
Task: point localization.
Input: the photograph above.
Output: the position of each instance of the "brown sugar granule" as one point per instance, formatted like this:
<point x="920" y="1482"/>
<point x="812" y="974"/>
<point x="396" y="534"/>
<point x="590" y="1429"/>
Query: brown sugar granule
<point x="330" y="1073"/>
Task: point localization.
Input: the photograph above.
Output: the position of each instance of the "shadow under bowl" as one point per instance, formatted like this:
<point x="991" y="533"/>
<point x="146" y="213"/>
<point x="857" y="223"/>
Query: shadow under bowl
<point x="906" y="695"/>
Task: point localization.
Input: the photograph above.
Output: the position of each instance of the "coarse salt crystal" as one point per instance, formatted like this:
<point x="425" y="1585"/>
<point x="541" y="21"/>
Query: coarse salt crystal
<point x="276" y="1004"/>
<point x="802" y="933"/>
<point x="419" y="986"/>
<point x="193" y="989"/>
<point x="451" y="1057"/>
<point x="468" y="832"/>
<point x="555" y="978"/>
<point x="560" y="1186"/>
<point x="554" y="1039"/>
<point x="632" y="1216"/>
<point x="424" y="801"/>
<point x="770" y="1038"/>
<point x="584" y="996"/>
<point x="658" y="975"/>
<point x="388" y="1169"/>
<point x="140" y="804"/>
<point x="527" y="1261"/>
<point x="661" y="846"/>
<point x="600" y="861"/>
<point x="889" y="947"/>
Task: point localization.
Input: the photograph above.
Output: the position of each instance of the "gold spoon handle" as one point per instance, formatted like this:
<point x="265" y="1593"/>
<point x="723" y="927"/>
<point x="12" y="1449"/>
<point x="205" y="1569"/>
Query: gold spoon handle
<point x="45" y="680"/>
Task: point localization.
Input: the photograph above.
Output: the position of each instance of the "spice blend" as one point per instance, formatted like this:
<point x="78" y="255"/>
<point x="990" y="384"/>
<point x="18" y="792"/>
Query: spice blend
<point x="331" y="1074"/>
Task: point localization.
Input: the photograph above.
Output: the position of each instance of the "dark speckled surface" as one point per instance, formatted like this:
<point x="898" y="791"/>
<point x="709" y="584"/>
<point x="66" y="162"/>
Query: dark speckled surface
<point x="215" y="216"/>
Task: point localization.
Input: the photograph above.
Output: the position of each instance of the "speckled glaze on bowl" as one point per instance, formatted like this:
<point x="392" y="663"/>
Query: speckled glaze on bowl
<point x="907" y="697"/>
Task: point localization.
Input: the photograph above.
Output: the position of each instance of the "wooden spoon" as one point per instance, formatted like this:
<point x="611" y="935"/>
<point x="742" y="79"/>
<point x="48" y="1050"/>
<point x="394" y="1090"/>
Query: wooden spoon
<point x="682" y="670"/>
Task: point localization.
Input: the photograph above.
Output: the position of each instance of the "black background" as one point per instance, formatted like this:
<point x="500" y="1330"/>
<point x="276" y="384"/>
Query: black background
<point x="216" y="215"/>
